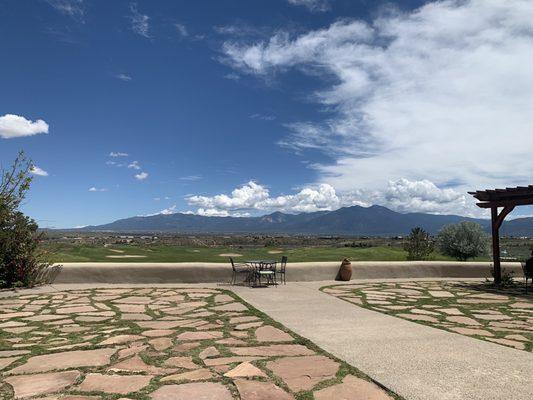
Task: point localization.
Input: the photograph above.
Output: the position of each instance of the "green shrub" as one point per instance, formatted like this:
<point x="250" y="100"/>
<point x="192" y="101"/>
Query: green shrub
<point x="507" y="278"/>
<point x="463" y="240"/>
<point x="419" y="245"/>
<point x="21" y="264"/>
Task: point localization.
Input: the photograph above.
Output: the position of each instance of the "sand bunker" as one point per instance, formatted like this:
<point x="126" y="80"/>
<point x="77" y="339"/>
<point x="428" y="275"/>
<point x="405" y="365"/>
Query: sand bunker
<point x="126" y="256"/>
<point x="275" y="252"/>
<point x="116" y="251"/>
<point x="230" y="255"/>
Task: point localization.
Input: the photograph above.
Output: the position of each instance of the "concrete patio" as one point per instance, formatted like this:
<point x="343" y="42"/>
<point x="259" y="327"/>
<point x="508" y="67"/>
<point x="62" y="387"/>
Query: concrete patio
<point x="410" y="359"/>
<point x="415" y="361"/>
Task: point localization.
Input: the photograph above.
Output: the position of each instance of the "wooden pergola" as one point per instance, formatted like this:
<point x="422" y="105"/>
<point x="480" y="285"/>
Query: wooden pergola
<point x="507" y="199"/>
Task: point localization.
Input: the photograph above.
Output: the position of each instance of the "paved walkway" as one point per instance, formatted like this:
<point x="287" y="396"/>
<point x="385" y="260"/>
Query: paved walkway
<point x="415" y="361"/>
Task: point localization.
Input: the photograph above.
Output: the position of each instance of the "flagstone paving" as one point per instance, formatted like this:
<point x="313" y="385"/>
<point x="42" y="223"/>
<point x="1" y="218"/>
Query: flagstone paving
<point x="504" y="316"/>
<point x="159" y="344"/>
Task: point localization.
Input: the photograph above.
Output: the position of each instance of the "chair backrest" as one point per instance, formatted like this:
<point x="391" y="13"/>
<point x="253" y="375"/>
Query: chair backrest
<point x="528" y="267"/>
<point x="283" y="263"/>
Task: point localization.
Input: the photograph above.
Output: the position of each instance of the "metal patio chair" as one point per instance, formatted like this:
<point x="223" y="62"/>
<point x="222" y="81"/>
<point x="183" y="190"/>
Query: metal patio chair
<point x="268" y="271"/>
<point x="282" y="269"/>
<point x="239" y="269"/>
<point x="527" y="267"/>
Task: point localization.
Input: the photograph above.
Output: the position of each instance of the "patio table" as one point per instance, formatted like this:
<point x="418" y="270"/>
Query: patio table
<point x="256" y="266"/>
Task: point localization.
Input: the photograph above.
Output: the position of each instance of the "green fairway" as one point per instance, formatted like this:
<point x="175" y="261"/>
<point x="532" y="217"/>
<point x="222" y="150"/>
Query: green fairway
<point x="168" y="253"/>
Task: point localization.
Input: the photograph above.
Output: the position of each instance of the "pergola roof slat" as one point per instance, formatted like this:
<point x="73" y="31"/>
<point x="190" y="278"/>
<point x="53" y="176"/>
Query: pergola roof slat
<point x="518" y="194"/>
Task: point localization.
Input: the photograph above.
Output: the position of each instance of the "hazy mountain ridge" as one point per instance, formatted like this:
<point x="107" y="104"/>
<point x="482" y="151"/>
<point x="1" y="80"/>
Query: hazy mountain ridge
<point x="355" y="220"/>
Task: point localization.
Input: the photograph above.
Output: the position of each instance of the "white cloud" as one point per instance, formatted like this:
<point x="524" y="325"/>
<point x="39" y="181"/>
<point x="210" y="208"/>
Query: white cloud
<point x="95" y="189"/>
<point x="35" y="170"/>
<point x="72" y="8"/>
<point x="12" y="126"/>
<point x="242" y="29"/>
<point x="139" y="22"/>
<point x="312" y="5"/>
<point x="401" y="195"/>
<point x="191" y="178"/>
<point x="181" y="29"/>
<point x="263" y="117"/>
<point x="212" y="212"/>
<point x="441" y="94"/>
<point x="232" y="77"/>
<point x="141" y="176"/>
<point x="253" y="196"/>
<point x="320" y="198"/>
<point x="405" y="195"/>
<point x="167" y="211"/>
<point x="134" y="165"/>
<point x="241" y="198"/>
<point x="123" y="77"/>
<point x="118" y="154"/>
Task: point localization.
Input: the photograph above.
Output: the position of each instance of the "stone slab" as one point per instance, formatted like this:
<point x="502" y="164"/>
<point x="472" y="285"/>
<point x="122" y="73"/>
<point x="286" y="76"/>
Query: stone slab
<point x="65" y="360"/>
<point x="39" y="384"/>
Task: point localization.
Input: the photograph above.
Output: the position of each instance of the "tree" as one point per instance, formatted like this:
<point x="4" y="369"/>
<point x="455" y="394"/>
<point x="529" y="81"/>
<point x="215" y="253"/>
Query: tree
<point x="419" y="245"/>
<point x="463" y="240"/>
<point x="21" y="263"/>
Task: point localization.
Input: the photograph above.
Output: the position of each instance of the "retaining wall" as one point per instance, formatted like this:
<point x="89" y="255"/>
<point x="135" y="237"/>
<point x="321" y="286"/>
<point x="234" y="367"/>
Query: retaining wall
<point x="308" y="271"/>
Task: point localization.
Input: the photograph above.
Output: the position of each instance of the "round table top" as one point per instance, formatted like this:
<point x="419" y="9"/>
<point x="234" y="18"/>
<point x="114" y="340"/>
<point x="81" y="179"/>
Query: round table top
<point x="261" y="261"/>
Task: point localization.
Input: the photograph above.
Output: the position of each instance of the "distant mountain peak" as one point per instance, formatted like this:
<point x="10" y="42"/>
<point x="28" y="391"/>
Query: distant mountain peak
<point x="275" y="217"/>
<point x="354" y="221"/>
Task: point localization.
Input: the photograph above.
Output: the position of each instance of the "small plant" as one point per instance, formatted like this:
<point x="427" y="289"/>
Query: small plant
<point x="463" y="240"/>
<point x="419" y="245"/>
<point x="507" y="278"/>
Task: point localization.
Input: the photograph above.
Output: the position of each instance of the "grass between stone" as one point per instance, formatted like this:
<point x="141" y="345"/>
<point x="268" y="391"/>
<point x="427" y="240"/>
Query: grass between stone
<point x="91" y="334"/>
<point x="504" y="320"/>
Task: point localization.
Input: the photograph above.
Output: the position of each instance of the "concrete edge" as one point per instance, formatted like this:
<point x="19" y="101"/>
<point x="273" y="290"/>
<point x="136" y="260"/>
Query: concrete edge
<point x="161" y="273"/>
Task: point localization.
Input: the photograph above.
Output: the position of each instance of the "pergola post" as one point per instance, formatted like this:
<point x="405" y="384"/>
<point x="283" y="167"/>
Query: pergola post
<point x="496" y="246"/>
<point x="496" y="222"/>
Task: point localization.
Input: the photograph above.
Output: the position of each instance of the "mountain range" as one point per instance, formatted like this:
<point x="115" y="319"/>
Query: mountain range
<point x="355" y="220"/>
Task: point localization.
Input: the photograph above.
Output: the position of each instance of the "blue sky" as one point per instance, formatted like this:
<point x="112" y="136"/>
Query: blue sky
<point x="248" y="107"/>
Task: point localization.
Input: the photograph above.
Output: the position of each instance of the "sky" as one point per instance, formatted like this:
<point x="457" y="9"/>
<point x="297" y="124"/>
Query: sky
<point x="248" y="107"/>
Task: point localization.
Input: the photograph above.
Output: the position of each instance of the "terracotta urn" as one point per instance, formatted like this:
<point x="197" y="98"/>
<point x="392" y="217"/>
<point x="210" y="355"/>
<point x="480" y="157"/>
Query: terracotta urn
<point x="345" y="271"/>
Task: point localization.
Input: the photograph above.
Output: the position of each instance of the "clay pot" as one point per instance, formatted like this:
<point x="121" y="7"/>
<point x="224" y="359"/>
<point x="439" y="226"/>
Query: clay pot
<point x="345" y="271"/>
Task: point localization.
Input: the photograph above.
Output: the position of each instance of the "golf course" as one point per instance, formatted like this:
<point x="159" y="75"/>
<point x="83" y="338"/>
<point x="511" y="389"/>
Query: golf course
<point x="65" y="252"/>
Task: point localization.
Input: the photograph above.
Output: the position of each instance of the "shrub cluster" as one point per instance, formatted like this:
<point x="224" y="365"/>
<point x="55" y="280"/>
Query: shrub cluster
<point x="419" y="245"/>
<point x="463" y="240"/>
<point x="21" y="263"/>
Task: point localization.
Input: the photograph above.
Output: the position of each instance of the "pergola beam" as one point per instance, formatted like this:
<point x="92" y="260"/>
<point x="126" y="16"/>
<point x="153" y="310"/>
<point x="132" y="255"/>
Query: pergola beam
<point x="503" y="203"/>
